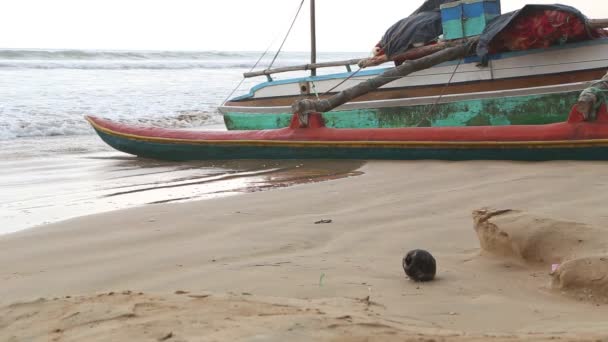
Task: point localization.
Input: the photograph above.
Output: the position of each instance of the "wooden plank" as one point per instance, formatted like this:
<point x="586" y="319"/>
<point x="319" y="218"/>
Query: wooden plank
<point x="434" y="90"/>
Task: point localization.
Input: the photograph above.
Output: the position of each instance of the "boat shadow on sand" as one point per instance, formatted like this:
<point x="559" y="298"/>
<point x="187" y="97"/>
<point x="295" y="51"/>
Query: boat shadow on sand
<point x="180" y="181"/>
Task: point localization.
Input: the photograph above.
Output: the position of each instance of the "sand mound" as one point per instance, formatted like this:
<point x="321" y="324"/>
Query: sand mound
<point x="581" y="251"/>
<point x="587" y="278"/>
<point x="179" y="317"/>
<point x="182" y="316"/>
<point x="536" y="239"/>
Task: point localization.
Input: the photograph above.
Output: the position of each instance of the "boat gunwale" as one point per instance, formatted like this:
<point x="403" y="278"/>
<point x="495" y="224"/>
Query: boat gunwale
<point x="378" y="71"/>
<point x="422" y="100"/>
<point x="540" y="144"/>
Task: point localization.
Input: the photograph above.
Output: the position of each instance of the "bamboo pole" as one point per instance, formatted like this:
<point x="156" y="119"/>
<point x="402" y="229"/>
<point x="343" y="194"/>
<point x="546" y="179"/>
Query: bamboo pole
<point x="366" y="62"/>
<point x="414" y="53"/>
<point x="302" y="67"/>
<point x="313" y="38"/>
<point x="598" y="23"/>
<point x="587" y="101"/>
<point x="447" y="54"/>
<point x="411" y="54"/>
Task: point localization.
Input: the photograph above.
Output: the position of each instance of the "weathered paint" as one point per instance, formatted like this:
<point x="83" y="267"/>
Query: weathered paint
<point x="457" y="29"/>
<point x="571" y="140"/>
<point x="169" y="151"/>
<point x="467" y="18"/>
<point x="520" y="110"/>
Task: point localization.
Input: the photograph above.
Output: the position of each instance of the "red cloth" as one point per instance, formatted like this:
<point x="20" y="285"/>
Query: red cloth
<point x="541" y="29"/>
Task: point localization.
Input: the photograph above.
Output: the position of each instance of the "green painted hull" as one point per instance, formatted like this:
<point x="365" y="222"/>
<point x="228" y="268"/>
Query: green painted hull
<point x="520" y="110"/>
<point x="184" y="151"/>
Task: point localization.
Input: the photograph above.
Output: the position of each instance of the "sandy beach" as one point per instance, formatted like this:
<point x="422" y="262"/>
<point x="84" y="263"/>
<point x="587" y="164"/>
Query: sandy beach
<point x="129" y="231"/>
<point x="256" y="267"/>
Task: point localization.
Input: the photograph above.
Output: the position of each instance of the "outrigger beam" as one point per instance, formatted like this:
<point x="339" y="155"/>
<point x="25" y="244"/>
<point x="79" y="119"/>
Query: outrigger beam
<point x="307" y="106"/>
<point x="302" y="67"/>
<point x="598" y="23"/>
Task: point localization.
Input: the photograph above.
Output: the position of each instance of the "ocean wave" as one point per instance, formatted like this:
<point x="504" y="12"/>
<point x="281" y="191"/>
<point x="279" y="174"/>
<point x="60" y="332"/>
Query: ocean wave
<point x="45" y="127"/>
<point x="123" y="65"/>
<point x="38" y="54"/>
<point x="126" y="60"/>
<point x="134" y="65"/>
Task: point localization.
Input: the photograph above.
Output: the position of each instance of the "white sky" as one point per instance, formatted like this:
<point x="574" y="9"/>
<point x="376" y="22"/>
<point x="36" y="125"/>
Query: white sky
<point x="245" y="25"/>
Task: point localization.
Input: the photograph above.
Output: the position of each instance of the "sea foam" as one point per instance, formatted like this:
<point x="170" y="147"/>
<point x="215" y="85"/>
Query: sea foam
<point x="48" y="92"/>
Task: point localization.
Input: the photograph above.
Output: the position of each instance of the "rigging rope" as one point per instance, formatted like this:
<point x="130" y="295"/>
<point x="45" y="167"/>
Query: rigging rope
<point x="363" y="78"/>
<point x="287" y="35"/>
<point x="432" y="109"/>
<point x="339" y="84"/>
<point x="264" y="54"/>
<point x="356" y="72"/>
<point x="250" y="70"/>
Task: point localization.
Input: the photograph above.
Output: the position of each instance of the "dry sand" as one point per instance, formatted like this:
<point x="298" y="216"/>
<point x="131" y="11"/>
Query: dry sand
<point x="256" y="267"/>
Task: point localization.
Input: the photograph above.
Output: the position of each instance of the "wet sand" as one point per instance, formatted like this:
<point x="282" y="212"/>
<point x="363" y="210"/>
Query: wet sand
<point x="46" y="180"/>
<point x="257" y="267"/>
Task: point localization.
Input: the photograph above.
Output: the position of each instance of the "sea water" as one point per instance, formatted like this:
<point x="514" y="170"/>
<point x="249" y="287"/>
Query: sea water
<point x="53" y="166"/>
<point x="47" y="92"/>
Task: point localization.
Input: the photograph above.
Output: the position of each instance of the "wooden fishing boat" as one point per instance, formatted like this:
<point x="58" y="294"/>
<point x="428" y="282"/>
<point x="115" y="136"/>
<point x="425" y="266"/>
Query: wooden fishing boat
<point x="583" y="136"/>
<point x="536" y="86"/>
<point x="574" y="139"/>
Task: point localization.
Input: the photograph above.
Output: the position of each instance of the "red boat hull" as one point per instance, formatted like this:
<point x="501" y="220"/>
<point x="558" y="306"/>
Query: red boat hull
<point x="575" y="139"/>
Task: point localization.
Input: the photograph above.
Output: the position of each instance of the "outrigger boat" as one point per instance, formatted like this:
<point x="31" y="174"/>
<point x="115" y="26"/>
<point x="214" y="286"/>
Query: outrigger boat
<point x="510" y="84"/>
<point x="583" y="137"/>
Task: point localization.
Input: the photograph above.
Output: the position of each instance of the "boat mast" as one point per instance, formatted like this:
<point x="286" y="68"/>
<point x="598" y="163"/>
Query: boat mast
<point x="313" y="38"/>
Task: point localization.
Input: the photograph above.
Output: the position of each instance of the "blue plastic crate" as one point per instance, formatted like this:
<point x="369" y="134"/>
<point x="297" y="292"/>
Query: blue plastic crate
<point x="467" y="18"/>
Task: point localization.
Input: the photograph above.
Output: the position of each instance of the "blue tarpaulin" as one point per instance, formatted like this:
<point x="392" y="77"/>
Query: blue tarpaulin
<point x="421" y="27"/>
